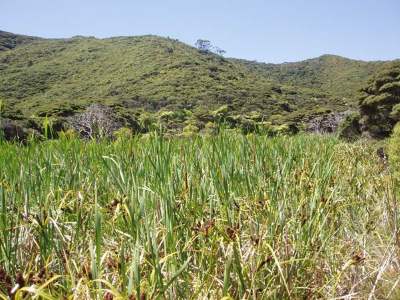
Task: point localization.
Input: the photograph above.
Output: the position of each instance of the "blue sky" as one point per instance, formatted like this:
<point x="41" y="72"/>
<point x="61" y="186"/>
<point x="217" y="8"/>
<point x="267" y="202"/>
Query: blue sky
<point x="269" y="31"/>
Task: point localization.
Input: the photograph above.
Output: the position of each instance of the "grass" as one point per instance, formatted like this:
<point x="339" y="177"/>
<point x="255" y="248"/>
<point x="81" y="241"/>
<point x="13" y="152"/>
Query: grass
<point x="246" y="217"/>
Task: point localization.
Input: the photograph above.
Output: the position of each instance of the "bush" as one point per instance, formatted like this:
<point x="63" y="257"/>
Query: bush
<point x="123" y="134"/>
<point x="269" y="129"/>
<point x="248" y="125"/>
<point x="34" y="136"/>
<point x="148" y="122"/>
<point x="326" y="123"/>
<point x="349" y="129"/>
<point x="395" y="114"/>
<point x="190" y="130"/>
<point x="255" y="116"/>
<point x="282" y="129"/>
<point x="167" y="115"/>
<point x="11" y="131"/>
<point x="96" y="122"/>
<point x="221" y="112"/>
<point x="394" y="151"/>
<point x="69" y="134"/>
<point x="276" y="119"/>
<point x="211" y="128"/>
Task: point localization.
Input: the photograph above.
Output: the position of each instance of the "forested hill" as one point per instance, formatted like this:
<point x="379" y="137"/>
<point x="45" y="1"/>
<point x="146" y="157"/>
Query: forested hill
<point x="151" y="75"/>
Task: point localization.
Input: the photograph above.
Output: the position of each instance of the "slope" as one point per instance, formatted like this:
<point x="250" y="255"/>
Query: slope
<point x="337" y="76"/>
<point x="10" y="40"/>
<point x="153" y="75"/>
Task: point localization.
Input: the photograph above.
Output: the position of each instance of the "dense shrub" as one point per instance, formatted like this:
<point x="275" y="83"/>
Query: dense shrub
<point x="148" y="122"/>
<point x="123" y="134"/>
<point x="248" y="125"/>
<point x="267" y="128"/>
<point x="190" y="130"/>
<point x="210" y="128"/>
<point x="283" y="129"/>
<point x="349" y="129"/>
<point x="69" y="134"/>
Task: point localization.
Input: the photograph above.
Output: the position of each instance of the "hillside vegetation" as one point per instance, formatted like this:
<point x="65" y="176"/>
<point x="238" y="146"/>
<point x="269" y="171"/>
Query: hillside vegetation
<point x="9" y="40"/>
<point x="150" y="75"/>
<point x="340" y="78"/>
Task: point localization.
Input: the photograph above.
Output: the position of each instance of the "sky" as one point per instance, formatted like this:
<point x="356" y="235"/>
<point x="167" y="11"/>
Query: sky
<point x="263" y="30"/>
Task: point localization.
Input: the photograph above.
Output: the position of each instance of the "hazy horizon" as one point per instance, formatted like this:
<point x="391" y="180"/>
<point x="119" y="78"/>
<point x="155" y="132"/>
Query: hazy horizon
<point x="264" y="31"/>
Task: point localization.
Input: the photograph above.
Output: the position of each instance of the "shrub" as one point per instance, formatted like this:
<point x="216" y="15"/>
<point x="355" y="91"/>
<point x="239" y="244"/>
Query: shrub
<point x="255" y="116"/>
<point x="11" y="131"/>
<point x="265" y="128"/>
<point x="69" y="134"/>
<point x="276" y="119"/>
<point x="210" y="128"/>
<point x="123" y="134"/>
<point x="248" y="125"/>
<point x="190" y="130"/>
<point x="221" y="112"/>
<point x="395" y="114"/>
<point x="148" y="122"/>
<point x="96" y="122"/>
<point x="167" y="115"/>
<point x="269" y="129"/>
<point x="349" y="129"/>
<point x="34" y="136"/>
<point x="282" y="129"/>
<point x="326" y="123"/>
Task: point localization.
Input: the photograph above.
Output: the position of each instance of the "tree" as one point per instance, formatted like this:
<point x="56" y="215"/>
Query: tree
<point x="380" y="102"/>
<point x="96" y="122"/>
<point x="219" y="51"/>
<point x="206" y="46"/>
<point x="349" y="128"/>
<point x="203" y="45"/>
<point x="327" y="123"/>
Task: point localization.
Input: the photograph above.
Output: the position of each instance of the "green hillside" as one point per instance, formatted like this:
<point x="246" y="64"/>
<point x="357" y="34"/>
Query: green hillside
<point x="155" y="75"/>
<point x="337" y="76"/>
<point x="10" y="40"/>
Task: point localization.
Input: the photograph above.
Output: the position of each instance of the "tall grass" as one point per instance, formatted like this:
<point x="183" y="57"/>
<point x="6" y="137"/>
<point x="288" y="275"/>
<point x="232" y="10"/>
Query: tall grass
<point x="234" y="216"/>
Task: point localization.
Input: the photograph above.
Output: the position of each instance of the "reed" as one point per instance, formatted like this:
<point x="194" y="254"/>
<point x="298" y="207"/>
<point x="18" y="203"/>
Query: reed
<point x="235" y="216"/>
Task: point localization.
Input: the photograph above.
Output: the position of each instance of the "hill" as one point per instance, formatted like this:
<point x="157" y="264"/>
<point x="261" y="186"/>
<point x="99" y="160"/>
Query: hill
<point x="151" y="75"/>
<point x="335" y="75"/>
<point x="10" y="40"/>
